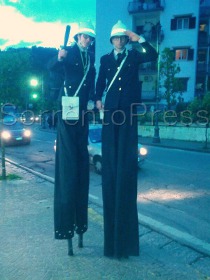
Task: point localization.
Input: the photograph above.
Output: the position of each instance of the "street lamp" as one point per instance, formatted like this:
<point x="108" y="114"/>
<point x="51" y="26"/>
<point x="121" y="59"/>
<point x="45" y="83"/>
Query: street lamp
<point x="206" y="136"/>
<point x="159" y="33"/>
<point x="34" y="82"/>
<point x="34" y="95"/>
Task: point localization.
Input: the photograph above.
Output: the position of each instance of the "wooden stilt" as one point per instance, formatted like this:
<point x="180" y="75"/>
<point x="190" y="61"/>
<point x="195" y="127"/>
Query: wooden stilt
<point x="80" y="240"/>
<point x="70" y="247"/>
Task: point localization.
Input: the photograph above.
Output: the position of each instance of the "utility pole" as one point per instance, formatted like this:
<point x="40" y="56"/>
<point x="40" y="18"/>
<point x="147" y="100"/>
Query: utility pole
<point x="156" y="137"/>
<point x="2" y="147"/>
<point x="206" y="136"/>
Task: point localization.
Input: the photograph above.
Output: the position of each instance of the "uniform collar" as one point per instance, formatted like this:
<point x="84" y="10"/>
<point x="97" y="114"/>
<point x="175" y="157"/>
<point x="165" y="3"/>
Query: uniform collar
<point x="81" y="49"/>
<point x="115" y="52"/>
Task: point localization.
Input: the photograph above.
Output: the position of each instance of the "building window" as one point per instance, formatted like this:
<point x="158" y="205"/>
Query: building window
<point x="181" y="54"/>
<point x="187" y="22"/>
<point x="184" y="54"/>
<point x="181" y="84"/>
<point x="183" y="23"/>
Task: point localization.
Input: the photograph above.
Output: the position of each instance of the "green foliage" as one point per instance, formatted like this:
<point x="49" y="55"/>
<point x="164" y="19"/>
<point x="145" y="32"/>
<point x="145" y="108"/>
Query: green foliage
<point x="201" y="104"/>
<point x="206" y="102"/>
<point x="195" y="105"/>
<point x="11" y="177"/>
<point x="18" y="66"/>
<point x="14" y="65"/>
<point x="168" y="70"/>
<point x="181" y="106"/>
<point x="200" y="108"/>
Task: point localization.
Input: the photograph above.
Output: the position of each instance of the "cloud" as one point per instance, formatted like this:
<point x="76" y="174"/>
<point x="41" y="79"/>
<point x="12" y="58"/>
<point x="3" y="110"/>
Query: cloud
<point x="14" y="1"/>
<point x="16" y="29"/>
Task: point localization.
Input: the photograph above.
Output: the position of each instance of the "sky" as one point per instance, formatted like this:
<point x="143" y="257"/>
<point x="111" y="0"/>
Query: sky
<point x="27" y="23"/>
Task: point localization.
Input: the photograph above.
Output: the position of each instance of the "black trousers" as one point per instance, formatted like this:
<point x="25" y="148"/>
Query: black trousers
<point x="119" y="184"/>
<point x="71" y="179"/>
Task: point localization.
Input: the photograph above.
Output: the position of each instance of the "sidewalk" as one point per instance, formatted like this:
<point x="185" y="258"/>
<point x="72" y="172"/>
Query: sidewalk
<point x="177" y="144"/>
<point x="30" y="252"/>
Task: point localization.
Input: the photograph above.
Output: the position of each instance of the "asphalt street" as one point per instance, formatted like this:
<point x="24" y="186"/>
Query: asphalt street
<point x="29" y="250"/>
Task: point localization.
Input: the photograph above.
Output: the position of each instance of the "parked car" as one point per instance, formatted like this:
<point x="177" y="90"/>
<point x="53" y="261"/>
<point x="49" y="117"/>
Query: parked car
<point x="94" y="148"/>
<point x="13" y="132"/>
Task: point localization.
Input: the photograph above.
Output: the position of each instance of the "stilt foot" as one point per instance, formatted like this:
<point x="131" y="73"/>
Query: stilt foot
<point x="80" y="240"/>
<point x="70" y="247"/>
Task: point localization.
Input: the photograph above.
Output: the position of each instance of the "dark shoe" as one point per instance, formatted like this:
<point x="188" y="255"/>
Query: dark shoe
<point x="70" y="247"/>
<point x="80" y="240"/>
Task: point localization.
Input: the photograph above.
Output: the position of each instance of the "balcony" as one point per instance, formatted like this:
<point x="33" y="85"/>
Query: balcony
<point x="203" y="68"/>
<point x="203" y="39"/>
<point x="145" y="6"/>
<point x="148" y="68"/>
<point x="204" y="8"/>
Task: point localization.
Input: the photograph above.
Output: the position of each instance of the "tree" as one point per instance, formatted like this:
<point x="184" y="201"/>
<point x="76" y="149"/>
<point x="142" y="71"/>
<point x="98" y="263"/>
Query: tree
<point x="18" y="66"/>
<point x="40" y="58"/>
<point x="168" y="70"/>
<point x="15" y="64"/>
<point x="206" y="103"/>
<point x="200" y="107"/>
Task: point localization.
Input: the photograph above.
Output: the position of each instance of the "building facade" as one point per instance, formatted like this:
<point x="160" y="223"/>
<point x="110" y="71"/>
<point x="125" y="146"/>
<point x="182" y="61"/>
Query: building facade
<point x="181" y="25"/>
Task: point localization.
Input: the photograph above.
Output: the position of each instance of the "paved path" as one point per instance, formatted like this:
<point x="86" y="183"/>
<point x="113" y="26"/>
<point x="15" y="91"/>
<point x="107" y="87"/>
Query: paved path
<point x="30" y="252"/>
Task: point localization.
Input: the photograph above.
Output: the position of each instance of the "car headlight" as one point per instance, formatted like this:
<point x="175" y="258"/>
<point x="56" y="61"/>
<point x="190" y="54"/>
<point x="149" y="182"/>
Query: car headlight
<point x="5" y="135"/>
<point x="143" y="151"/>
<point x="27" y="133"/>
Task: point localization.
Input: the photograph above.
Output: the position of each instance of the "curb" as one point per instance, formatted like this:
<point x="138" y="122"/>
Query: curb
<point x="176" y="235"/>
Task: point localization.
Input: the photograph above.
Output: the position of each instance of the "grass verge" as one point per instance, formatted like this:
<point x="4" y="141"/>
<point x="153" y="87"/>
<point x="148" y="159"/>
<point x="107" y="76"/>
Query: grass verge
<point x="11" y="177"/>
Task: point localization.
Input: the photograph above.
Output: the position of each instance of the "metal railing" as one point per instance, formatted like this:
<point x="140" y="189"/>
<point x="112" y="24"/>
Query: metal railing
<point x="144" y="6"/>
<point x="203" y="67"/>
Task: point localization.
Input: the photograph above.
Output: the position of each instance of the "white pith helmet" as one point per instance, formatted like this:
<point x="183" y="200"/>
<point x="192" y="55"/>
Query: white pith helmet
<point x="118" y="30"/>
<point x="85" y="28"/>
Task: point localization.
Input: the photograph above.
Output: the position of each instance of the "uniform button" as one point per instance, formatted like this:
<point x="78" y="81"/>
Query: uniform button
<point x="69" y="86"/>
<point x="120" y="89"/>
<point x="119" y="78"/>
<point x="84" y="85"/>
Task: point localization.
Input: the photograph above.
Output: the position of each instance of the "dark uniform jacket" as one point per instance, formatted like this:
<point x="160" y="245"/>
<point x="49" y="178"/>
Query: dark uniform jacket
<point x="119" y="151"/>
<point x="72" y="159"/>
<point x="71" y="70"/>
<point x="126" y="88"/>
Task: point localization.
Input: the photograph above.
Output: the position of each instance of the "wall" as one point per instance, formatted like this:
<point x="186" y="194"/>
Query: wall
<point x="191" y="133"/>
<point x="107" y="14"/>
<point x="182" y="38"/>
